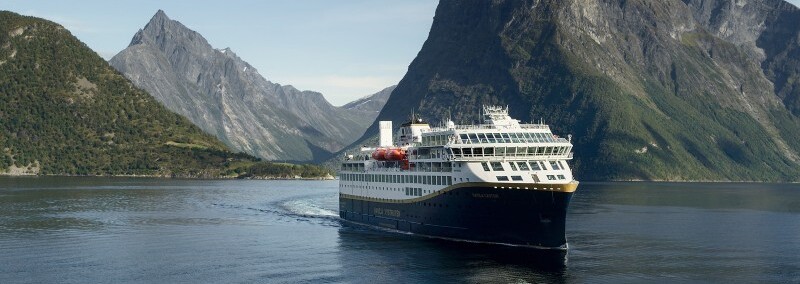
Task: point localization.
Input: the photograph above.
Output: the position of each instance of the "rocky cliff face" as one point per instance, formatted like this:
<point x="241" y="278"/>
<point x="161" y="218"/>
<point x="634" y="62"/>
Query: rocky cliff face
<point x="658" y="90"/>
<point x="768" y="30"/>
<point x="228" y="98"/>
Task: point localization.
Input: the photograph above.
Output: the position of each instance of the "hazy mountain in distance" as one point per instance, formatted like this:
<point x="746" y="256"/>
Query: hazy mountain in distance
<point x="371" y="104"/>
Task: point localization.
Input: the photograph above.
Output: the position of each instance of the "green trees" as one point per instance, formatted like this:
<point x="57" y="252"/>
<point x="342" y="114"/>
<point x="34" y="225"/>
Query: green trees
<point x="63" y="106"/>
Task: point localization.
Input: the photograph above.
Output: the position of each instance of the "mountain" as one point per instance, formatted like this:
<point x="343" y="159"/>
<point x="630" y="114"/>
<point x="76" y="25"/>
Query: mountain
<point x="651" y="90"/>
<point x="226" y="97"/>
<point x="372" y="104"/>
<point x="65" y="111"/>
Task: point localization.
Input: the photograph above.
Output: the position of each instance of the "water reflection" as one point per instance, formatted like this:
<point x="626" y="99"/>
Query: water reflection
<point x="387" y="255"/>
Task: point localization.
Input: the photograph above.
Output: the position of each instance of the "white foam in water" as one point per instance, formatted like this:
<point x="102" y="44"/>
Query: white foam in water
<point x="308" y="207"/>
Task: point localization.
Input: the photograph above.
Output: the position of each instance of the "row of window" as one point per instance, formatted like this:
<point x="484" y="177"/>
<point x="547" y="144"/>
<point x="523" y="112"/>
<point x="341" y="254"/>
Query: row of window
<point x="355" y="167"/>
<point x="490" y="137"/>
<point x="430" y="167"/>
<point x="511" y="151"/>
<point x="418" y="179"/>
<point x="524" y="137"/>
<point x="410" y="191"/>
<point x="439" y="139"/>
<point x="505" y="178"/>
<point x="535" y="178"/>
<point x="523" y="166"/>
<point x="439" y="167"/>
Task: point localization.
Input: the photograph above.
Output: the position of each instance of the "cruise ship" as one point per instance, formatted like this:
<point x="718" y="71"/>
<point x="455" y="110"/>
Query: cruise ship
<point x="499" y="182"/>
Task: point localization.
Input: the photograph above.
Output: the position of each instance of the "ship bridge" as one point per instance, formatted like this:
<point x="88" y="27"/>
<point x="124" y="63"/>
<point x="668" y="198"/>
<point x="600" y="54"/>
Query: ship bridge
<point x="500" y="137"/>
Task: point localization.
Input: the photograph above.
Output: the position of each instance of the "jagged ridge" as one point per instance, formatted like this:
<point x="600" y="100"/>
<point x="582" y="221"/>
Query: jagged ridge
<point x="227" y="97"/>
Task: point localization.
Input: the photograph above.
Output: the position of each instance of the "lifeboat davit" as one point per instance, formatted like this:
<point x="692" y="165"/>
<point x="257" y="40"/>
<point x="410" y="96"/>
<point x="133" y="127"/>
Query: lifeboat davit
<point x="379" y="154"/>
<point x="395" y="154"/>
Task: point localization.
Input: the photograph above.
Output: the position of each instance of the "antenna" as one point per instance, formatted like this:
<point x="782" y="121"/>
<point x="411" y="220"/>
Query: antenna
<point x="450" y="113"/>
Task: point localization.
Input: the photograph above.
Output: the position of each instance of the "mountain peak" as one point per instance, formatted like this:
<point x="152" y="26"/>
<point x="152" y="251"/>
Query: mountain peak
<point x="169" y="35"/>
<point x="227" y="97"/>
<point x="160" y="13"/>
<point x="154" y="28"/>
<point x="159" y="20"/>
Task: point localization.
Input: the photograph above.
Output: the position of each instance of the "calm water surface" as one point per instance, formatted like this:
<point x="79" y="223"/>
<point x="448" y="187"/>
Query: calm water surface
<point x="115" y="230"/>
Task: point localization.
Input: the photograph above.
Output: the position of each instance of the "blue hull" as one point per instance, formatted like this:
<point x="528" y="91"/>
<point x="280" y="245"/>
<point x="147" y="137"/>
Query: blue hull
<point x="479" y="213"/>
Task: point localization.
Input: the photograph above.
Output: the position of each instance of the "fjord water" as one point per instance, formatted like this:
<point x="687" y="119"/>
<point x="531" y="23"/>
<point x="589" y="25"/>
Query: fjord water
<point x="120" y="230"/>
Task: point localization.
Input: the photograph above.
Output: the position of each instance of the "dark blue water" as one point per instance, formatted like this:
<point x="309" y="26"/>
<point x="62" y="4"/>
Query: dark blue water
<point x="101" y="230"/>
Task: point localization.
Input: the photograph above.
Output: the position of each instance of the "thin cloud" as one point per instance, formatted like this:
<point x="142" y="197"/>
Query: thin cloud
<point x="71" y="24"/>
<point x="359" y="82"/>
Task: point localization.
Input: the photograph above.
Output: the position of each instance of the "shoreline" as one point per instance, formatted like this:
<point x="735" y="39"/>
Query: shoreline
<point x="333" y="177"/>
<point x="329" y="177"/>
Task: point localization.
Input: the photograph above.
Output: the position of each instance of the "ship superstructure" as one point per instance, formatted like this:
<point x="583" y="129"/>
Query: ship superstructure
<point x="497" y="182"/>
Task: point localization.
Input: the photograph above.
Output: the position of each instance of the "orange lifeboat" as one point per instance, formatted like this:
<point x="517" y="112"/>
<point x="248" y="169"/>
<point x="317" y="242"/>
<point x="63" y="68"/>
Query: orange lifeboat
<point x="395" y="154"/>
<point x="379" y="154"/>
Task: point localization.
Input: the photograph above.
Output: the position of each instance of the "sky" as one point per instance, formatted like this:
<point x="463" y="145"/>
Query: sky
<point x="344" y="49"/>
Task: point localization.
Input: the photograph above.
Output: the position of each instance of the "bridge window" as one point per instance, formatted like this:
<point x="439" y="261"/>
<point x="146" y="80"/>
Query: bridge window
<point x="555" y="165"/>
<point x="513" y="166"/>
<point x="530" y="137"/>
<point x="490" y="137"/>
<point x="485" y="166"/>
<point x="511" y="151"/>
<point x="497" y="166"/>
<point x="523" y="166"/>
<point x="535" y="166"/>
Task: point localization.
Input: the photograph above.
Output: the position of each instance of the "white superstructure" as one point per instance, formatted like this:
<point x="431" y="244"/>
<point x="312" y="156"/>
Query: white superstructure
<point x="425" y="160"/>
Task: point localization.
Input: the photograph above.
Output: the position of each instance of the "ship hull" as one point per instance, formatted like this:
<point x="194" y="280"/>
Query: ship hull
<point x="526" y="215"/>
